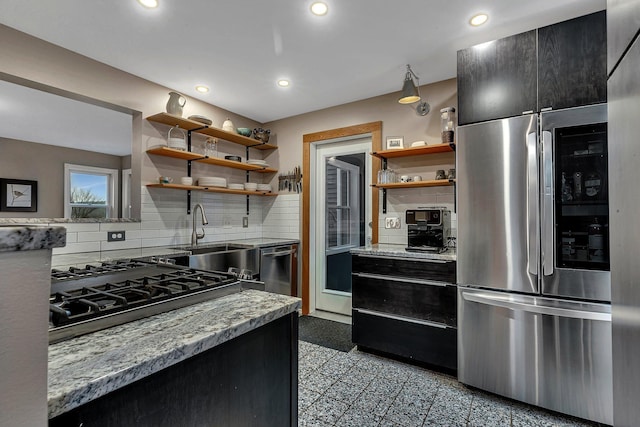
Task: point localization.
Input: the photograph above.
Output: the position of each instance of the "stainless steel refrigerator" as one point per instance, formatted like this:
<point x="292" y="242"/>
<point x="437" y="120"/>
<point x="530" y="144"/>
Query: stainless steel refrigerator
<point x="623" y="52"/>
<point x="534" y="313"/>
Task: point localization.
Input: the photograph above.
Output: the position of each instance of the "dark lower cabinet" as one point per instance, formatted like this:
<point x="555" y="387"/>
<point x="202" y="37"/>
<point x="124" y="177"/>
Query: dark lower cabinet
<point x="251" y="380"/>
<point x="434" y="345"/>
<point x="497" y="79"/>
<point x="406" y="307"/>
<point x="572" y="62"/>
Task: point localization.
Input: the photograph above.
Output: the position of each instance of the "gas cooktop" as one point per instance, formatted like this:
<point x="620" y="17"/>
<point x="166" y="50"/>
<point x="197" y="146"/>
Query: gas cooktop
<point x="89" y="299"/>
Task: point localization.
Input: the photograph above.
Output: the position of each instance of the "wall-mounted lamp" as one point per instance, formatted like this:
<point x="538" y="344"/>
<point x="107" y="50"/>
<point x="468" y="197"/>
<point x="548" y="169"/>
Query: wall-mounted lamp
<point x="411" y="93"/>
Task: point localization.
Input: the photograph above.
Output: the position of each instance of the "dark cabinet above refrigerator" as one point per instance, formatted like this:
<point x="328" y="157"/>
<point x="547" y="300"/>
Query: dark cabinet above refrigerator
<point x="558" y="66"/>
<point x="572" y="62"/>
<point x="497" y="79"/>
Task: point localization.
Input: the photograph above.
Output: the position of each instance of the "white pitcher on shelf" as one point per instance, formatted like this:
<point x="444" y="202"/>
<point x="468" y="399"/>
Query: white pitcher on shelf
<point x="175" y="103"/>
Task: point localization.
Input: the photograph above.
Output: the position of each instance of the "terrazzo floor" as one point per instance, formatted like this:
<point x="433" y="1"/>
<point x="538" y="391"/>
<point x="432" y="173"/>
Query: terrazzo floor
<point x="358" y="389"/>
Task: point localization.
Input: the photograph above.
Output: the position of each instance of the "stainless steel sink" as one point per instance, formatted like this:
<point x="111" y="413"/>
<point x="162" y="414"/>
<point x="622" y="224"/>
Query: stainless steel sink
<point x="221" y="257"/>
<point x="210" y="249"/>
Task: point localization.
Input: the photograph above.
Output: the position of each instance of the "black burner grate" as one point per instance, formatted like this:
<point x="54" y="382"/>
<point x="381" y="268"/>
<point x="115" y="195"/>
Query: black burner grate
<point x="98" y="292"/>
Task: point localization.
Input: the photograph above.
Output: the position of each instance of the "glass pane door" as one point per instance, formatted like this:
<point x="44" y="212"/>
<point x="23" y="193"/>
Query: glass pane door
<point x="342" y="217"/>
<point x="582" y="200"/>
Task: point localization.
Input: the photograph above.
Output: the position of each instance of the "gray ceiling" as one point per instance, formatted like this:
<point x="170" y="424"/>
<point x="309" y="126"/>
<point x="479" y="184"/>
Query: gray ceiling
<point x="241" y="47"/>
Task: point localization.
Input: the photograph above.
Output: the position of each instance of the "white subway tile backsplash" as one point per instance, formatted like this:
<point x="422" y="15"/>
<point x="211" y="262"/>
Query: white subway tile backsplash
<point x="78" y="247"/>
<point x="117" y="226"/>
<point x="127" y="244"/>
<point x="81" y="226"/>
<point x="92" y="236"/>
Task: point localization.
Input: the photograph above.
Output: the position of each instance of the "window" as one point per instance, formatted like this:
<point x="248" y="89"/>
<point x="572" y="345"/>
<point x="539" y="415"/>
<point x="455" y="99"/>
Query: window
<point x="90" y="192"/>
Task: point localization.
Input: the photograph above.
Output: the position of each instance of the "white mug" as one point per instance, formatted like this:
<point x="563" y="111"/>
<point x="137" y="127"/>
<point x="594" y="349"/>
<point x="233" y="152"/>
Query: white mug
<point x="186" y="180"/>
<point x="417" y="178"/>
<point x="405" y="178"/>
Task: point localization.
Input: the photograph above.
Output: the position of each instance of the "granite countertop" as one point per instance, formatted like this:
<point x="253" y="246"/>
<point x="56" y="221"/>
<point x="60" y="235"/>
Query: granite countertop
<point x="260" y="242"/>
<point x="389" y="250"/>
<point x="32" y="237"/>
<point x="64" y="261"/>
<point x="87" y="367"/>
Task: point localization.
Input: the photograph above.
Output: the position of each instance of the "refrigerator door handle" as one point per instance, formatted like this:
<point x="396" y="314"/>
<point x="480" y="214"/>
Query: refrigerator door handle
<point x="547" y="203"/>
<point x="512" y="304"/>
<point x="533" y="235"/>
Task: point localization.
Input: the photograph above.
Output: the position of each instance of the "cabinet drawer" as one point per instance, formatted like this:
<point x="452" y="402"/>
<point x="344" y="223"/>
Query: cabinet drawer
<point x="440" y="271"/>
<point x="420" y="341"/>
<point x="415" y="298"/>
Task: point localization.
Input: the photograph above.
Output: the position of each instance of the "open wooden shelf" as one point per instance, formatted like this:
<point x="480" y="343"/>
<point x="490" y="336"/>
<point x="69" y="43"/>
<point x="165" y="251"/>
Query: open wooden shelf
<point x="187" y="155"/>
<point x="212" y="189"/>
<point x="413" y="151"/>
<point x="197" y="127"/>
<point x="430" y="183"/>
<point x="176" y="154"/>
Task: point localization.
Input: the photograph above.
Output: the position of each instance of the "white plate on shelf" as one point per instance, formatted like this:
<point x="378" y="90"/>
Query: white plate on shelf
<point x="264" y="187"/>
<point x="257" y="162"/>
<point x="235" y="186"/>
<point x="212" y="181"/>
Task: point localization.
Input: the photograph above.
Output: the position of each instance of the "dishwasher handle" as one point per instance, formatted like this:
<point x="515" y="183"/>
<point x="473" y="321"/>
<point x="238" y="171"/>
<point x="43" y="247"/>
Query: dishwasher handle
<point x="279" y="254"/>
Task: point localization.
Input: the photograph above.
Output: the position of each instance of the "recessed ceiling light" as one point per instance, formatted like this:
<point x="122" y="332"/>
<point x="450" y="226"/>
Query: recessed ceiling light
<point x="319" y="8"/>
<point x="149" y="3"/>
<point x="202" y="88"/>
<point x="283" y="83"/>
<point x="478" y="19"/>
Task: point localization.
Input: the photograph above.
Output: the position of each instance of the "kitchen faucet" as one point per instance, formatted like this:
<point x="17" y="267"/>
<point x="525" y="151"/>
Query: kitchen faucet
<point x="194" y="234"/>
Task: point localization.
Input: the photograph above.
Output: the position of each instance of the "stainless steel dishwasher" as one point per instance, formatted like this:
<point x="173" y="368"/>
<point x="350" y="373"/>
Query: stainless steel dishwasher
<point x="278" y="269"/>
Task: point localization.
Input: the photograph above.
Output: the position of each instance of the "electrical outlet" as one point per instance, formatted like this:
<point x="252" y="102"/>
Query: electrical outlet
<point x="392" y="222"/>
<point x="226" y="222"/>
<point x="245" y="222"/>
<point x="115" y="236"/>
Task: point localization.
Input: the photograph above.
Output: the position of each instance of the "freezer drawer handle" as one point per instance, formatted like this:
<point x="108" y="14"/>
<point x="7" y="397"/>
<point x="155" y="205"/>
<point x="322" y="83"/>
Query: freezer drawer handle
<point x="277" y="254"/>
<point x="402" y="319"/>
<point x="401" y="279"/>
<point x="538" y="309"/>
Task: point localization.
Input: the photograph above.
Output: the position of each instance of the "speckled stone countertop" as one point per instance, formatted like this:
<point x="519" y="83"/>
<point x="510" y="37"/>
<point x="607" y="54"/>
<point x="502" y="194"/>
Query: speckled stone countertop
<point x="64" y="261"/>
<point x="250" y="243"/>
<point x="87" y="367"/>
<point x="389" y="250"/>
<point x="29" y="238"/>
<point x="63" y="220"/>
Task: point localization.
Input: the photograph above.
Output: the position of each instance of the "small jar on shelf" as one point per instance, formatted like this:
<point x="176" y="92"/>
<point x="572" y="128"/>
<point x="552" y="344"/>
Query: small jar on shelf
<point x="448" y="123"/>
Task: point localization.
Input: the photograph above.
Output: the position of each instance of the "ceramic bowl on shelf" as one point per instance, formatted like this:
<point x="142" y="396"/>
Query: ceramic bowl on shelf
<point x="264" y="187"/>
<point x="250" y="186"/>
<point x="235" y="186"/>
<point x="233" y="158"/>
<point x="244" y="131"/>
<point x="201" y="119"/>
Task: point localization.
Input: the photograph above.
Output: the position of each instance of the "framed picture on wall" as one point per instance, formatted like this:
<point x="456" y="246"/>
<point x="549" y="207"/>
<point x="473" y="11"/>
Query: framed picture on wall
<point x="18" y="195"/>
<point x="394" y="143"/>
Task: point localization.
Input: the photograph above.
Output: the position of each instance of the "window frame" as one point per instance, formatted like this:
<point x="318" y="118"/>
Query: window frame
<point x="112" y="191"/>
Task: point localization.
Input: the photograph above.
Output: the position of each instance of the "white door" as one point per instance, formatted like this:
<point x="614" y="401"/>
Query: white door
<point x="339" y="219"/>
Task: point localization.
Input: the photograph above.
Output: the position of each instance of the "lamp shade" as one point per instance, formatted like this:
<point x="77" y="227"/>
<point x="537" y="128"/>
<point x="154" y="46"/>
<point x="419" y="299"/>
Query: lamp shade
<point x="409" y="91"/>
